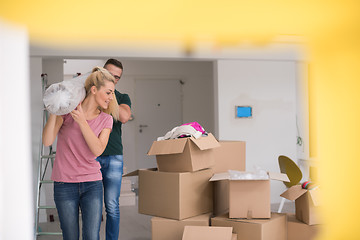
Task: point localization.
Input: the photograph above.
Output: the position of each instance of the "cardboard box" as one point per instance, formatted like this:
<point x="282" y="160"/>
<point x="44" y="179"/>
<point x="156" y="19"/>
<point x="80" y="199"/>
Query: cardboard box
<point x="245" y="198"/>
<point x="184" y="154"/>
<point x="208" y="233"/>
<point x="174" y="195"/>
<point x="255" y="229"/>
<point x="297" y="230"/>
<point x="220" y="197"/>
<point x="229" y="156"/>
<point x="165" y="228"/>
<point x="306" y="203"/>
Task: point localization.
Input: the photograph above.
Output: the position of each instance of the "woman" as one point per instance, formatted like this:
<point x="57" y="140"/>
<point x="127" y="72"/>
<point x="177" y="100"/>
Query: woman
<point x="82" y="136"/>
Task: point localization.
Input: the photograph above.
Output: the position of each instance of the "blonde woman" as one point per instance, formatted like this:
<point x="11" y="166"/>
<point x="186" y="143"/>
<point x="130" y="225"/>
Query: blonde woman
<point x="82" y="135"/>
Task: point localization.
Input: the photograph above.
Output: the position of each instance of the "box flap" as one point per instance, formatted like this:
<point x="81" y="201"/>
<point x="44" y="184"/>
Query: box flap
<point x="170" y="146"/>
<point x="220" y="176"/>
<point x="207" y="232"/>
<point x="136" y="172"/>
<point x="204" y="143"/>
<point x="225" y="217"/>
<point x="293" y="192"/>
<point x="315" y="195"/>
<point x="133" y="173"/>
<point x="278" y="176"/>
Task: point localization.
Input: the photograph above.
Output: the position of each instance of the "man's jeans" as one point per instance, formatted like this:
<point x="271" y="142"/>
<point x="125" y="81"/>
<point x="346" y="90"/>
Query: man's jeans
<point x="88" y="196"/>
<point x="112" y="171"/>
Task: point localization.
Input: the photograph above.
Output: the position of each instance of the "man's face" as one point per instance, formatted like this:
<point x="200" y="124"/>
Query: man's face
<point x="115" y="71"/>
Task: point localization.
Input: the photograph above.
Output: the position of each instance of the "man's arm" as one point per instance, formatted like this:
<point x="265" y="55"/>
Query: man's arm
<point x="124" y="113"/>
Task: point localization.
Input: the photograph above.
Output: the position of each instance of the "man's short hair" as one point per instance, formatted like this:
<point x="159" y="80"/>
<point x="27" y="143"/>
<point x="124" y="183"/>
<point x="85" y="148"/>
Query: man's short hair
<point x="114" y="62"/>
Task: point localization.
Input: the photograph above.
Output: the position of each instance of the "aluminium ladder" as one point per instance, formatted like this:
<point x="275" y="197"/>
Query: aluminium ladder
<point x="44" y="157"/>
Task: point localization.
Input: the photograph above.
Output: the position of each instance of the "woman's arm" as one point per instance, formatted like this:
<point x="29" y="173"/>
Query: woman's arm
<point x="96" y="144"/>
<point x="51" y="129"/>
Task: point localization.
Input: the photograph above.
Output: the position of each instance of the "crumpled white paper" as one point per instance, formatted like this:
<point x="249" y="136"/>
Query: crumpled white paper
<point x="63" y="97"/>
<point x="258" y="174"/>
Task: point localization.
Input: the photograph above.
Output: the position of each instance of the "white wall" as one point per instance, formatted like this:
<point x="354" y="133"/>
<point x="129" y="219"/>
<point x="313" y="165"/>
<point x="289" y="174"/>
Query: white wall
<point x="54" y="68"/>
<point x="302" y="110"/>
<point x="16" y="189"/>
<point x="36" y="125"/>
<point x="270" y="88"/>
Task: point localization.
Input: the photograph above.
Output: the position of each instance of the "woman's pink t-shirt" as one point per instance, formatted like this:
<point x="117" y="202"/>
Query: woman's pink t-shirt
<point x="74" y="161"/>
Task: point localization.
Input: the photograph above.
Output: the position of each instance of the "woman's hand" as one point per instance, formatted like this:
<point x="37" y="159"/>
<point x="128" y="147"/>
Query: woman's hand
<point x="96" y="144"/>
<point x="78" y="115"/>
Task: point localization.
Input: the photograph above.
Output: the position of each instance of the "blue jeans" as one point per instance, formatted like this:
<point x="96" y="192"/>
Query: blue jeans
<point x="112" y="171"/>
<point x="69" y="198"/>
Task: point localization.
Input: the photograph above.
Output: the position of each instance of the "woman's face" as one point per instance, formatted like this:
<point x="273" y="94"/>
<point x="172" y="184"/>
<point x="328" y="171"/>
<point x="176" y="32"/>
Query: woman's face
<point x="105" y="94"/>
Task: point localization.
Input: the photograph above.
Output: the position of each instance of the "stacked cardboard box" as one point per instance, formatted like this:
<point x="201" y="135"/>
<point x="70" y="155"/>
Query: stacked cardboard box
<point x="165" y="228"/>
<point x="297" y="230"/>
<point x="208" y="233"/>
<point x="245" y="205"/>
<point x="184" y="154"/>
<point x="273" y="228"/>
<point x="246" y="198"/>
<point x="247" y="208"/>
<point x="305" y="224"/>
<point x="179" y="188"/>
<point x="179" y="193"/>
<point x="306" y="203"/>
<point x="174" y="195"/>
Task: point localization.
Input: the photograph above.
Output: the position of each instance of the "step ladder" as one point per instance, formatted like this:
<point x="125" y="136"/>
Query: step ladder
<point x="46" y="157"/>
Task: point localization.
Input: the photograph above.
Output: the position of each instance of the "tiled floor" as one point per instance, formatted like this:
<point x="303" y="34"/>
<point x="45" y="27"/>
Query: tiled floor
<point x="134" y="226"/>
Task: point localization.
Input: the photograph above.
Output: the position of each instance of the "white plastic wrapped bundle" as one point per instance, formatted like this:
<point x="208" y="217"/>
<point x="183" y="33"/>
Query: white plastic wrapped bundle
<point x="259" y="174"/>
<point x="63" y="97"/>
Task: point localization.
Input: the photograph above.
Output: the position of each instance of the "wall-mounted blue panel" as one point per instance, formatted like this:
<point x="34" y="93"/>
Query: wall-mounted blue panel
<point x="243" y="111"/>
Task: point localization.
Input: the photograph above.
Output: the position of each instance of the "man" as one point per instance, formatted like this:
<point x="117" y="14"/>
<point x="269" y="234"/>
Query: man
<point x="111" y="160"/>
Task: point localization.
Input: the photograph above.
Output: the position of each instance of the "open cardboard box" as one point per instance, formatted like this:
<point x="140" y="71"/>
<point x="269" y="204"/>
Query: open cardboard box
<point x="273" y="228"/>
<point x="306" y="203"/>
<point x="244" y="198"/>
<point x="208" y="233"/>
<point x="174" y="195"/>
<point x="166" y="228"/>
<point x="184" y="154"/>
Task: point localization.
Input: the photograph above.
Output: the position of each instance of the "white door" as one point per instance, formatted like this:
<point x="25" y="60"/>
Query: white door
<point x="157" y="110"/>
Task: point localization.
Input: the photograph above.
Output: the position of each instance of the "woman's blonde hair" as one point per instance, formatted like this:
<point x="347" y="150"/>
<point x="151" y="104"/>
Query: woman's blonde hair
<point x="97" y="78"/>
